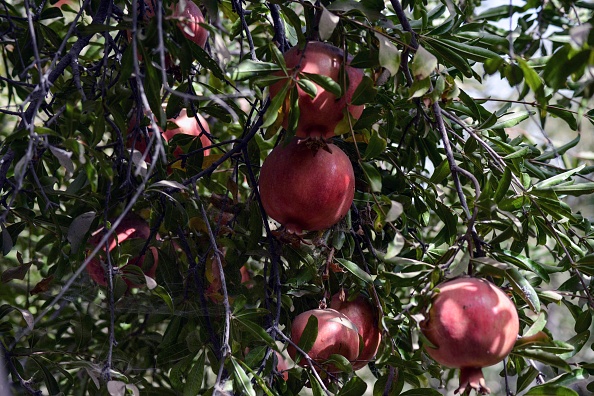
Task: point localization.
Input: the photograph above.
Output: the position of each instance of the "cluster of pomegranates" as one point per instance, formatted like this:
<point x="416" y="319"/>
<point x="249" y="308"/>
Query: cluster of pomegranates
<point x="471" y="324"/>
<point x="348" y="328"/>
<point x="301" y="187"/>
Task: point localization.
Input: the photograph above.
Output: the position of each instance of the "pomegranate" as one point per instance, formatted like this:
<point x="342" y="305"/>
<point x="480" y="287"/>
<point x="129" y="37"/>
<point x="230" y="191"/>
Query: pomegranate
<point x="306" y="190"/>
<point x="131" y="227"/>
<point x="186" y="125"/>
<point x="282" y="366"/>
<point x="364" y="316"/>
<point x="189" y="19"/>
<point x="336" y="335"/>
<point x="188" y="16"/>
<point x="473" y="324"/>
<point x="189" y="126"/>
<point x="319" y="116"/>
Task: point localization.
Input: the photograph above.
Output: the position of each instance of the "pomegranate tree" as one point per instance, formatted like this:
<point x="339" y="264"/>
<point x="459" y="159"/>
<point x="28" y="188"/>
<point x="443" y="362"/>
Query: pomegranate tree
<point x="336" y="335"/>
<point x="131" y="227"/>
<point x="364" y="316"/>
<point x="472" y="324"/>
<point x="319" y="116"/>
<point x="304" y="189"/>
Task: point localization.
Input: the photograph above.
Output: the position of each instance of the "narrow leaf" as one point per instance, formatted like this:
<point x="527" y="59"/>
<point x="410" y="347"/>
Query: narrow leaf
<point x="523" y="288"/>
<point x="328" y="22"/>
<point x="325" y="82"/>
<point x="355" y="270"/>
<point x="389" y="55"/>
<point x="423" y="64"/>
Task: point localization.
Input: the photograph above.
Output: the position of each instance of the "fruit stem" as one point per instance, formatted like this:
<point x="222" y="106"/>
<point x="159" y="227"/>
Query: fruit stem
<point x="472" y="378"/>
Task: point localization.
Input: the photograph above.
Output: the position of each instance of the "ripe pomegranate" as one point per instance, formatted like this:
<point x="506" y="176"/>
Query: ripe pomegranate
<point x="306" y="190"/>
<point x="131" y="227"/>
<point x="364" y="316"/>
<point x="189" y="126"/>
<point x="473" y="324"/>
<point x="282" y="366"/>
<point x="190" y="17"/>
<point x="336" y="335"/>
<point x="319" y="116"/>
<point x="186" y="125"/>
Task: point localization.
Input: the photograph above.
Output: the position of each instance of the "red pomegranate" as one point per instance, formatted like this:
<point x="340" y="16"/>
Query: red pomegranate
<point x="189" y="126"/>
<point x="189" y="19"/>
<point x="336" y="335"/>
<point x="186" y="125"/>
<point x="473" y="324"/>
<point x="319" y="116"/>
<point x="282" y="366"/>
<point x="306" y="190"/>
<point x="131" y="227"/>
<point x="364" y="316"/>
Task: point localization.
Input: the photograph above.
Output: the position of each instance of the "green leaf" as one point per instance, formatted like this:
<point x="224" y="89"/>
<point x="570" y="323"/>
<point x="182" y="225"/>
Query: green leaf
<point x="328" y="22"/>
<point x="161" y="292"/>
<point x="547" y="155"/>
<point x="524" y="263"/>
<point x="573" y="189"/>
<point x="537" y="326"/>
<point x="195" y="377"/>
<point x="565" y="115"/>
<point x="514" y="120"/>
<point x="374" y="177"/>
<point x="497" y="13"/>
<point x="503" y="186"/>
<point x="468" y="51"/>
<point x="325" y="82"/>
<point x="578" y="341"/>
<point x="249" y="69"/>
<point x="309" y="335"/>
<point x="242" y="381"/>
<point x="354" y="387"/>
<point x="340" y="362"/>
<point x="562" y="65"/>
<point x="558" y="178"/>
<point x="423" y="64"/>
<point x="441" y="172"/>
<point x="256" y="330"/>
<point x="419" y="88"/>
<point x="421" y="392"/>
<point x="207" y="61"/>
<point x="451" y="57"/>
<point x="50" y="382"/>
<point x="532" y="78"/>
<point x="389" y="55"/>
<point x="273" y="110"/>
<point x="526" y="378"/>
<point x="523" y="288"/>
<point x="355" y="270"/>
<point x="365" y="92"/>
<point x="308" y="87"/>
<point x="376" y="146"/>
<point x="569" y="378"/>
<point x="550" y="390"/>
<point x="544" y="357"/>
<point x="316" y="387"/>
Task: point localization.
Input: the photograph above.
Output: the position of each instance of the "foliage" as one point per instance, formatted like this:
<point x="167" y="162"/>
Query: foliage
<point x="442" y="190"/>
